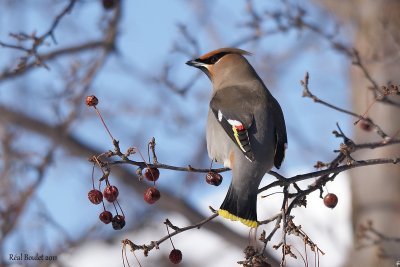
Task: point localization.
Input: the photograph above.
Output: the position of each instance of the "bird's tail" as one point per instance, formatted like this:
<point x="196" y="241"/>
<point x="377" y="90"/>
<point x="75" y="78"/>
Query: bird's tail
<point x="240" y="208"/>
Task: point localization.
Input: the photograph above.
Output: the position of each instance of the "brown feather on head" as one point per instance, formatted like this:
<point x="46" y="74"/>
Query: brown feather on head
<point x="225" y="50"/>
<point x="206" y="62"/>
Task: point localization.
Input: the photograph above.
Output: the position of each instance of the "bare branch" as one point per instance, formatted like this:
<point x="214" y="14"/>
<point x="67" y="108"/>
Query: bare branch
<point x="155" y="244"/>
<point x="307" y="93"/>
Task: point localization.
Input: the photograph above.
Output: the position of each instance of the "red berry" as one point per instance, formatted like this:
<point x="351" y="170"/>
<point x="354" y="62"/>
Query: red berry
<point x="152" y="174"/>
<point x="330" y="200"/>
<point x="366" y="125"/>
<point x="91" y="101"/>
<point x="213" y="178"/>
<point x="175" y="256"/>
<point x="118" y="222"/>
<point x="95" y="196"/>
<point x="111" y="193"/>
<point x="106" y="217"/>
<point x="151" y="195"/>
<point x="108" y="4"/>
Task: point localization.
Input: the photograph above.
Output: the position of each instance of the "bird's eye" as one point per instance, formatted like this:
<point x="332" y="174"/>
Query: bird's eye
<point x="214" y="59"/>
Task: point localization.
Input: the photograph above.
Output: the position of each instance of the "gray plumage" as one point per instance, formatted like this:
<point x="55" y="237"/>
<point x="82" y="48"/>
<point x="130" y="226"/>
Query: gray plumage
<point x="245" y="129"/>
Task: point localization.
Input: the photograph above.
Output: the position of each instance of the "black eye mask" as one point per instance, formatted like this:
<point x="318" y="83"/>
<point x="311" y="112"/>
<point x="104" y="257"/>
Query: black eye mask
<point x="213" y="59"/>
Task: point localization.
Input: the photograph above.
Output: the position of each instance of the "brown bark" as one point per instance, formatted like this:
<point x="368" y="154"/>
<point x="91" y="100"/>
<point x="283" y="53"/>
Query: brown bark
<point x="375" y="190"/>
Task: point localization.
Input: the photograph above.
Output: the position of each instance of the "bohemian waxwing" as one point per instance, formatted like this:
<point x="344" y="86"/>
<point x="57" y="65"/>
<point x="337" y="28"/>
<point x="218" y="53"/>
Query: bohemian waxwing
<point x="246" y="129"/>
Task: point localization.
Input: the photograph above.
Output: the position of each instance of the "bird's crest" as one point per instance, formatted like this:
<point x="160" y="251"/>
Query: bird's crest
<point x="226" y="50"/>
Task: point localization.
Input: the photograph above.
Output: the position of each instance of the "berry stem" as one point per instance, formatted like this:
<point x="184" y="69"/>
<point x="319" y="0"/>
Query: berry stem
<point x="99" y="185"/>
<point x="148" y="150"/>
<point x="104" y="206"/>
<point x="116" y="211"/>
<point x="170" y="239"/>
<point x="93" y="175"/>
<point x="212" y="161"/>
<point x="147" y="165"/>
<point x="123" y="214"/>
<point x="365" y="113"/>
<point x="125" y="257"/>
<point x="104" y="124"/>
<point x="98" y="163"/>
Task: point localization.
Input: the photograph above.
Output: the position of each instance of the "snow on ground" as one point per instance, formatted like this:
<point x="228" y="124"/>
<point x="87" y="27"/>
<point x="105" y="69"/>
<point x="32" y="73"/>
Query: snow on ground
<point x="330" y="229"/>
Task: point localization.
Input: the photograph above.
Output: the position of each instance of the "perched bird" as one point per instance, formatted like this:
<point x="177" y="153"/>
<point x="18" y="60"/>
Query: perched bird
<point x="246" y="129"/>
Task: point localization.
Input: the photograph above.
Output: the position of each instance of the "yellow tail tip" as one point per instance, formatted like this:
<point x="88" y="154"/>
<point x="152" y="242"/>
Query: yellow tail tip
<point x="227" y="215"/>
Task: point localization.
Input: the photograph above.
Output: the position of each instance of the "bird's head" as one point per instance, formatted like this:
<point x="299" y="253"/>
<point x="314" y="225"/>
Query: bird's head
<point x="223" y="65"/>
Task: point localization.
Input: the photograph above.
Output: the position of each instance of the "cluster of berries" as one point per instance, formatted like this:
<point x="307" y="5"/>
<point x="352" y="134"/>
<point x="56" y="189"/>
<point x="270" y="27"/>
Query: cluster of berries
<point x="110" y="193"/>
<point x="151" y="194"/>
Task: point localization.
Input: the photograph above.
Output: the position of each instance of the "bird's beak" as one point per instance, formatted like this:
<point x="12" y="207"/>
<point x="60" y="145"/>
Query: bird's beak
<point x="200" y="65"/>
<point x="195" y="63"/>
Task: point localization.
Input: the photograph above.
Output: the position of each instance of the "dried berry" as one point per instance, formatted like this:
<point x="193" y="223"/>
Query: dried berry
<point x="151" y="195"/>
<point x="109" y="4"/>
<point x="118" y="222"/>
<point x="106" y="217"/>
<point x="175" y="256"/>
<point x="111" y="193"/>
<point x="330" y="200"/>
<point x="213" y="178"/>
<point x="152" y="174"/>
<point x="366" y="125"/>
<point x="95" y="196"/>
<point x="92" y="101"/>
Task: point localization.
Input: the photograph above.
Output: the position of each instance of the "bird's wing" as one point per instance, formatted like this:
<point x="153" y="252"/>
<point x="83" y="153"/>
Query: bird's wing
<point x="280" y="134"/>
<point x="232" y="107"/>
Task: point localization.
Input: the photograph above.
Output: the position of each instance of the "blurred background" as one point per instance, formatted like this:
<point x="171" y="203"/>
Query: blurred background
<point x="131" y="55"/>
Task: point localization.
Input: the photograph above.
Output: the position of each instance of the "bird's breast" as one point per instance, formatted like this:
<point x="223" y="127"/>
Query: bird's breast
<point x="219" y="144"/>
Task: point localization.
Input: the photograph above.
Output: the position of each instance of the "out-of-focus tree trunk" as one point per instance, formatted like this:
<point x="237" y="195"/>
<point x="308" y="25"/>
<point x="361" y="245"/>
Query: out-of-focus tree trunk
<point x="375" y="190"/>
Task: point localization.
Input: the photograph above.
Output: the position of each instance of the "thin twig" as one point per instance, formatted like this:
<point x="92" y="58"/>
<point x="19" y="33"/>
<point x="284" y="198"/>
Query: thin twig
<point x="307" y="93"/>
<point x="155" y="244"/>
